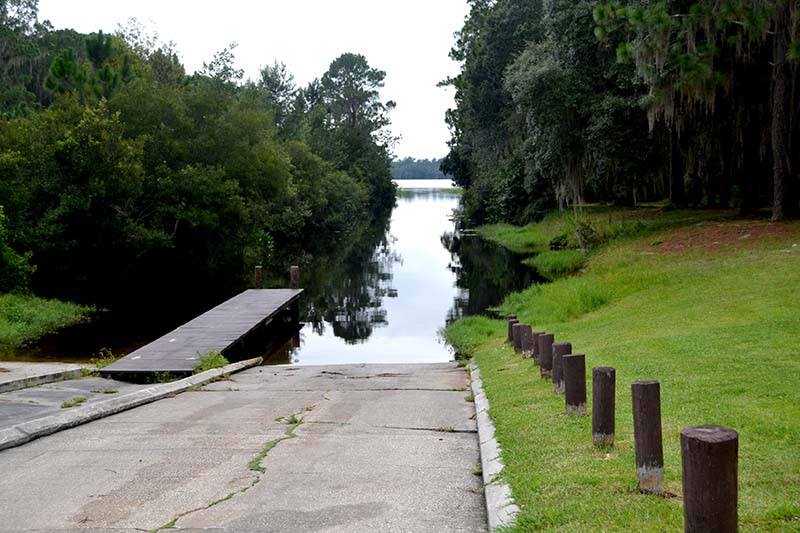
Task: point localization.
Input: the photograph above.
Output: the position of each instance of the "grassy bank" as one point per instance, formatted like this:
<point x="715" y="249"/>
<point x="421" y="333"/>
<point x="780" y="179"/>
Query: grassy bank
<point x="561" y="244"/>
<point x="23" y="319"/>
<point x="705" y="304"/>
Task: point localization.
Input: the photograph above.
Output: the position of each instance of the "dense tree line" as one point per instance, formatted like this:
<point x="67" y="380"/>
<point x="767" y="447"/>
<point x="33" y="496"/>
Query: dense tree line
<point x="123" y="178"/>
<point x="409" y="168"/>
<point x="560" y="102"/>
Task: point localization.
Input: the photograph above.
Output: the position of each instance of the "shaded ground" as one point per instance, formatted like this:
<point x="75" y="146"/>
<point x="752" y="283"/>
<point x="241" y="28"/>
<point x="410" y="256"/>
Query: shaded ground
<point x="713" y="235"/>
<point x="337" y="448"/>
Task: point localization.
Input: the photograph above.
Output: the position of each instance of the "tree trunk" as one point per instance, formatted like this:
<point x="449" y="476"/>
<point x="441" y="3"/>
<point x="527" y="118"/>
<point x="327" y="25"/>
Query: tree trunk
<point x="780" y="118"/>
<point x="677" y="192"/>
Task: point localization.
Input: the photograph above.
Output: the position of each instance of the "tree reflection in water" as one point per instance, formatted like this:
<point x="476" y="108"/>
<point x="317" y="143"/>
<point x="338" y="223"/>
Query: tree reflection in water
<point x="346" y="290"/>
<point x="485" y="273"/>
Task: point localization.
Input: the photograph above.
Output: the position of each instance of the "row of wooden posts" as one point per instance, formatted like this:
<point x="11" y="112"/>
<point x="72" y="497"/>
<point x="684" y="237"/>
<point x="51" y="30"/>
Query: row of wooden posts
<point x="709" y="453"/>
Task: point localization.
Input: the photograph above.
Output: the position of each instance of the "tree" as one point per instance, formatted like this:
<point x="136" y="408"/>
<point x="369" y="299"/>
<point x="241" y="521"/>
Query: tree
<point x="278" y="84"/>
<point x="348" y="124"/>
<point x="351" y="90"/>
<point x="221" y="68"/>
<point x="691" y="53"/>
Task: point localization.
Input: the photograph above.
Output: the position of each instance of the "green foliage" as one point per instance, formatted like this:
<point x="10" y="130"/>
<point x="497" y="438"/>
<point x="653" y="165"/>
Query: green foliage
<point x="105" y="358"/>
<point x="14" y="268"/>
<point x="23" y="319"/>
<point x="417" y="169"/>
<point x="209" y="361"/>
<point x="557" y="104"/>
<point x="162" y="377"/>
<point x="719" y="69"/>
<point x="133" y="181"/>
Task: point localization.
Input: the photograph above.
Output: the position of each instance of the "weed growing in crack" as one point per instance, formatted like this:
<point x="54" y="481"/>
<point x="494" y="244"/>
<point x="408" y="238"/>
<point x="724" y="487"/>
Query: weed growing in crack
<point x="66" y="404"/>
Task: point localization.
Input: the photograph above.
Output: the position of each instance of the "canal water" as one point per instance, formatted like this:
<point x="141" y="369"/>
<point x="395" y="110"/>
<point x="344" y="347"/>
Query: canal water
<point x="386" y="301"/>
<point x="422" y="275"/>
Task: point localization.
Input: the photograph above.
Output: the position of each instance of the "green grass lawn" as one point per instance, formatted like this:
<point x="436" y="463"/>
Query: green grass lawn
<point x="710" y="309"/>
<point x="23" y="318"/>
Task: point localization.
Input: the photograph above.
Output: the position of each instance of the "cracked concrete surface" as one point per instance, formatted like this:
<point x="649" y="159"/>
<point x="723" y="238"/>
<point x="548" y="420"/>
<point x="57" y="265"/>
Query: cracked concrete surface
<point x="386" y="447"/>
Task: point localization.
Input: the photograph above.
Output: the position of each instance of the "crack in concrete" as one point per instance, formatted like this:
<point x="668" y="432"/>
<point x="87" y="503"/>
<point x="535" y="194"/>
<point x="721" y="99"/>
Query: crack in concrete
<point x="294" y="421"/>
<point x="411" y="428"/>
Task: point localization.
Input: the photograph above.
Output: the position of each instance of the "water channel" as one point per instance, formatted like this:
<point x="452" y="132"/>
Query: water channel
<point x="422" y="275"/>
<point x="384" y="302"/>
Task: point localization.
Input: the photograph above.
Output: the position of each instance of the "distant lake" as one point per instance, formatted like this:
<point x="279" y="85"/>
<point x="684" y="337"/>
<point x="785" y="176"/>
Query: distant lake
<point x="425" y="184"/>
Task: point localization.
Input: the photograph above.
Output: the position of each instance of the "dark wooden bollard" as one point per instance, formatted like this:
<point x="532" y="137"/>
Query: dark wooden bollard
<point x="603" y="384"/>
<point x="512" y="319"/>
<point x="560" y="349"/>
<point x="536" y="335"/>
<point x="546" y="354"/>
<point x="527" y="341"/>
<point x="709" y="455"/>
<point x="294" y="276"/>
<point x="517" y="336"/>
<point x="259" y="277"/>
<point x="647" y="435"/>
<point x="575" y="383"/>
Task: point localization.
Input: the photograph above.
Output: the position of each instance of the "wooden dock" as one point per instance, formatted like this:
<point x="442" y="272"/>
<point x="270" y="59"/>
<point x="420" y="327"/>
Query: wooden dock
<point x="219" y="329"/>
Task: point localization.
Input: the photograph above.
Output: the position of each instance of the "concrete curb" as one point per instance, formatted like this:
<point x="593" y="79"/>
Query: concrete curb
<point x="501" y="510"/>
<point x="40" y="379"/>
<point x="28" y="431"/>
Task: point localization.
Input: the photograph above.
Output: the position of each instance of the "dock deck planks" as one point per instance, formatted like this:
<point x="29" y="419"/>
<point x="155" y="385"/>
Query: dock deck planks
<point x="180" y="350"/>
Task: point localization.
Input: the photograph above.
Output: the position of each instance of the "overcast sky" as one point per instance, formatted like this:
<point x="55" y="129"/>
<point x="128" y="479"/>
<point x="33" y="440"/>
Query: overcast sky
<point x="409" y="39"/>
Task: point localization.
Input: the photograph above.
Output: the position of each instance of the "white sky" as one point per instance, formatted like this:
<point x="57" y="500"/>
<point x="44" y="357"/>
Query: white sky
<point x="409" y="39"/>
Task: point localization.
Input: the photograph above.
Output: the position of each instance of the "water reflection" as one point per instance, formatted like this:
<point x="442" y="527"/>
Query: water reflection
<point x="485" y="273"/>
<point x="380" y="297"/>
<point x="387" y="300"/>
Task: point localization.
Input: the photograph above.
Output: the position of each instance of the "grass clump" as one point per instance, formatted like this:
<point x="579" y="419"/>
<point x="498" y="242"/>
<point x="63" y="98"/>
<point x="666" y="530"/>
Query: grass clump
<point x="105" y="358"/>
<point x="716" y="325"/>
<point x="210" y="360"/>
<point x="554" y="264"/>
<point x="73" y="402"/>
<point x="25" y="318"/>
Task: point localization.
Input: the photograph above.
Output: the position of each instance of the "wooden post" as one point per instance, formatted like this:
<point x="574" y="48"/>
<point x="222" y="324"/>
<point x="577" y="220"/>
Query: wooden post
<point x="294" y="276"/>
<point x="259" y="278"/>
<point x="709" y="455"/>
<point x="546" y="354"/>
<point x="536" y="335"/>
<point x="646" y="397"/>
<point x="575" y="383"/>
<point x="512" y="319"/>
<point x="560" y="349"/>
<point x="603" y="400"/>
<point x="527" y="341"/>
<point x="517" y="336"/>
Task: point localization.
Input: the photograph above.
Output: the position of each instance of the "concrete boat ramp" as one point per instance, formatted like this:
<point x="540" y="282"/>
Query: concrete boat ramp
<point x="289" y="448"/>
